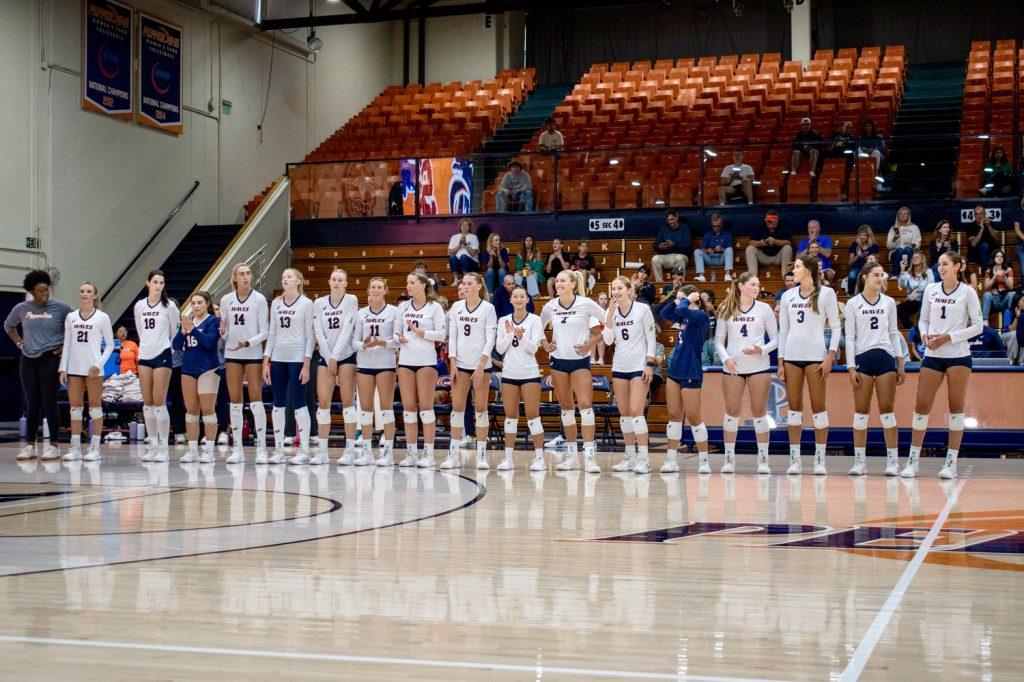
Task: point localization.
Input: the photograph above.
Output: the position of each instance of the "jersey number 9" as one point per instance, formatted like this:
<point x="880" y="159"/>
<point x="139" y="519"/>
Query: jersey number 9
<point x="466" y="330"/>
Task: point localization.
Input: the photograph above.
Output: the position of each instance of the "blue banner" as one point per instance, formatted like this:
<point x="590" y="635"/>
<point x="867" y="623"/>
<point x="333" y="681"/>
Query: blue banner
<point x="107" y="58"/>
<point x="159" y="74"/>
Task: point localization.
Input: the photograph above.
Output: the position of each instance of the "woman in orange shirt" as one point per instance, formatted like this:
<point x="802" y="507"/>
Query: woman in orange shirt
<point x="129" y="352"/>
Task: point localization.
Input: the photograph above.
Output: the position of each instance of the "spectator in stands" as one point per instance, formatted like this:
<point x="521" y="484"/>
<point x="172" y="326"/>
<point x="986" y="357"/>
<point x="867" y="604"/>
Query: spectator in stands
<point x="771" y="244"/>
<point x="987" y="344"/>
<point x="814" y="236"/>
<point x="708" y="303"/>
<point x="557" y="261"/>
<point x="1013" y="338"/>
<point x="914" y="278"/>
<point x="737" y="179"/>
<point x="872" y="144"/>
<point x="787" y="283"/>
<point x="844" y="144"/>
<point x="915" y="343"/>
<point x="530" y="266"/>
<point x="584" y="262"/>
<point x="983" y="237"/>
<point x="501" y="301"/>
<point x="644" y="290"/>
<point x="597" y="354"/>
<point x="828" y="275"/>
<point x="863" y="245"/>
<point x="551" y="140"/>
<point x="672" y="245"/>
<point x="998" y="296"/>
<point x="129" y="352"/>
<point x="903" y="240"/>
<point x="998" y="180"/>
<point x="656" y="372"/>
<point x="421" y="267"/>
<point x="463" y="251"/>
<point x="515" y="193"/>
<point x="1018" y="228"/>
<point x="670" y="289"/>
<point x="943" y="242"/>
<point x="495" y="262"/>
<point x="716" y="249"/>
<point x="806" y="143"/>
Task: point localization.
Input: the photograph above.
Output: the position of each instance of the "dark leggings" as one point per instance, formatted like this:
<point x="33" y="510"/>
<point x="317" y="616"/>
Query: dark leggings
<point x="176" y="402"/>
<point x="284" y="383"/>
<point x="39" y="380"/>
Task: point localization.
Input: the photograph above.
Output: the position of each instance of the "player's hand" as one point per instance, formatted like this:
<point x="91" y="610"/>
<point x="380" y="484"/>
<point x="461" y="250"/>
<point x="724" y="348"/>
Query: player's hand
<point x="648" y="375"/>
<point x="901" y="376"/>
<point x="234" y="347"/>
<point x="854" y="376"/>
<point x="401" y="338"/>
<point x="753" y="350"/>
<point x="509" y="326"/>
<point x="304" y="374"/>
<point x="332" y="367"/>
<point x="781" y="371"/>
<point x="63" y="376"/>
<point x="519" y="331"/>
<point x="825" y="368"/>
<point x="266" y="372"/>
<point x="549" y="346"/>
<point x="94" y="372"/>
<point x="730" y="367"/>
<point x="224" y="327"/>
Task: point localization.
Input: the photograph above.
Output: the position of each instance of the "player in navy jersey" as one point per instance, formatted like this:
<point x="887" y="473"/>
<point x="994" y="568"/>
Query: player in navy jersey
<point x="197" y="340"/>
<point x="334" y="320"/>
<point x="686" y="376"/>
<point x="376" y="362"/>
<point x="519" y="337"/>
<point x="950" y="318"/>
<point x="156" y="320"/>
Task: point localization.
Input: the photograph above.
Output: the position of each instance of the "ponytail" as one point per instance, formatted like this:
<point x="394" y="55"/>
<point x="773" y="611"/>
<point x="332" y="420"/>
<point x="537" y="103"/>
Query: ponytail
<point x="959" y="263"/>
<point x="484" y="294"/>
<point x="579" y="282"/>
<point x="731" y="305"/>
<point x="164" y="300"/>
<point x="814" y="268"/>
<point x="428" y="288"/>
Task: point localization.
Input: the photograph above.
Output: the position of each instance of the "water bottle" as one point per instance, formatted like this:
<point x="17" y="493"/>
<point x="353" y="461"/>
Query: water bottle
<point x="23" y="427"/>
<point x="141" y="431"/>
<point x="133" y="431"/>
<point x="46" y="430"/>
<point x="90" y="428"/>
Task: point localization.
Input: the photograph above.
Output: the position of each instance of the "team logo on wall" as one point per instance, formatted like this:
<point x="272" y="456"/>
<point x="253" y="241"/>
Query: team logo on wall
<point x="446" y="185"/>
<point x="460" y="187"/>
<point x="107" y="58"/>
<point x="358" y="190"/>
<point x="159" y="74"/>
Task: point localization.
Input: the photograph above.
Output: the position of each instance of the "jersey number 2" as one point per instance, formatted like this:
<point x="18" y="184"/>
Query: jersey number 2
<point x="874" y="323"/>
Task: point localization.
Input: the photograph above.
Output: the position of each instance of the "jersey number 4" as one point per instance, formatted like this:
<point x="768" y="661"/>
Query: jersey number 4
<point x="743" y="331"/>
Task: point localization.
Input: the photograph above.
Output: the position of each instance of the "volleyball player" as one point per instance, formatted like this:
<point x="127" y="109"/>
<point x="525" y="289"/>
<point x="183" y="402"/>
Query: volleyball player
<point x="472" y="328"/>
<point x="520" y="334"/>
<point x="875" y="364"/>
<point x="197" y="340"/>
<point x="334" y="319"/>
<point x="804" y="311"/>
<point x="286" y="363"/>
<point x="685" y="377"/>
<point x="88" y="344"/>
<point x="422" y="324"/>
<point x="156" y="319"/>
<point x="950" y="317"/>
<point x="244" y="327"/>
<point x="374" y="340"/>
<point x="745" y="336"/>
<point x="575" y="321"/>
<point x="630" y="327"/>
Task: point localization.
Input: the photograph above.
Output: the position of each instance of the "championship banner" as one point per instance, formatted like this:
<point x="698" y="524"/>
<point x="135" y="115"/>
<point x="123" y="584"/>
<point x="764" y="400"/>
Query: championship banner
<point x="446" y="185"/>
<point x="107" y="58"/>
<point x="159" y="74"/>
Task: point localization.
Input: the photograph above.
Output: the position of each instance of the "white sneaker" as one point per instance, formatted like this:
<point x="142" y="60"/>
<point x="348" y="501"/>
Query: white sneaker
<point x="277" y="458"/>
<point x="73" y="455"/>
<point x="729" y="465"/>
<point x="261" y="457"/>
<point x="506" y="464"/>
<point x="947" y="472"/>
<point x="188" y="457"/>
<point x="115" y="437"/>
<point x="365" y="459"/>
<point x="571" y="462"/>
<point x="409" y="461"/>
<point x="481" y="462"/>
<point x="236" y="456"/>
<point x="669" y="466"/>
<point x="859" y="468"/>
<point x="161" y="455"/>
<point x="206" y="457"/>
<point x="699" y="278"/>
<point x="728" y="277"/>
<point x="385" y="460"/>
<point x="642" y="465"/>
<point x="892" y="468"/>
<point x="795" y="467"/>
<point x="762" y="466"/>
<point x="452" y="461"/>
<point x="590" y="463"/>
<point x="92" y="455"/>
<point x="148" y="453"/>
<point x="555" y="443"/>
<point x="909" y="471"/>
<point x="703" y="466"/>
<point x="425" y="462"/>
<point x="538" y="464"/>
<point x="179" y="439"/>
<point x="347" y="459"/>
<point x="301" y="458"/>
<point x="319" y="459"/>
<point x="819" y="467"/>
<point x="624" y="465"/>
<point x="50" y="453"/>
<point x="222" y="439"/>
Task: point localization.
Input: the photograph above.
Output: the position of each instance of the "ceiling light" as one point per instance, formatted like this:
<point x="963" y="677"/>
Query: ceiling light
<point x="613" y="162"/>
<point x="879" y="178"/>
<point x="711" y="153"/>
<point x="635" y="183"/>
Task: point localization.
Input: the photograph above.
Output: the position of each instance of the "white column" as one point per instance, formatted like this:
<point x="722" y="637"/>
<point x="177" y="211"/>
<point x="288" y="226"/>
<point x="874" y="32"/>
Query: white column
<point x="800" y="31"/>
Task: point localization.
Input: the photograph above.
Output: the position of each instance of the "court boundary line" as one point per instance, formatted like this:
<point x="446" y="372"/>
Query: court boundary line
<point x="866" y="647"/>
<point x="379" y="660"/>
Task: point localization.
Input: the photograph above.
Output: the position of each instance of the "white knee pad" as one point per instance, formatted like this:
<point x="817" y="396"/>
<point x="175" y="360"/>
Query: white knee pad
<point x="76" y="413"/>
<point x="427" y="416"/>
<point x="366" y="417"/>
<point x="888" y="420"/>
<point x="409" y="417"/>
<point x="794" y="418"/>
<point x="626" y="424"/>
<point x="160" y="412"/>
<point x="956" y="421"/>
<point x="920" y="422"/>
<point x="347" y="413"/>
<point x="700" y="432"/>
<point x="860" y="421"/>
<point x="536" y="426"/>
<point x="674" y="430"/>
<point x="587" y="416"/>
<point x="387" y="416"/>
<point x="210" y="419"/>
<point x="640" y="424"/>
<point x="457" y="419"/>
<point x="568" y="417"/>
<point x="191" y="418"/>
<point x="95" y="413"/>
<point x="481" y="420"/>
<point x="257" y="407"/>
<point x="821" y="420"/>
<point x="512" y="426"/>
<point x="761" y="425"/>
<point x="730" y="423"/>
<point x="323" y="415"/>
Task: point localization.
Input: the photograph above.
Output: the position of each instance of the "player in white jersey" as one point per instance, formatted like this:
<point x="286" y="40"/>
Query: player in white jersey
<point x="875" y="364"/>
<point x="472" y="328"/>
<point x="156" y="321"/>
<point x="286" y="361"/>
<point x="334" y="321"/>
<point x="745" y="336"/>
<point x="376" y="360"/>
<point x="243" y="325"/>
<point x="629" y="326"/>
<point x="575" y="331"/>
<point x="88" y="344"/>
<point x="520" y="334"/>
<point x="950" y="318"/>
<point x="422" y="324"/>
<point x="804" y="312"/>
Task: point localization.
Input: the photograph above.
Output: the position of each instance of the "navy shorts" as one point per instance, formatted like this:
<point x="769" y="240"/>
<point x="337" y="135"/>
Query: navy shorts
<point x="628" y="376"/>
<point x="803" y="364"/>
<point x="875" y="362"/>
<point x="753" y="374"/>
<point x="374" y="371"/>
<point x="350" y="360"/>
<point x="689" y="383"/>
<point x="569" y="366"/>
<point x="416" y="368"/>
<point x="162" y="361"/>
<point x="520" y="382"/>
<point x="470" y="371"/>
<point x="943" y="364"/>
<point x="231" y="361"/>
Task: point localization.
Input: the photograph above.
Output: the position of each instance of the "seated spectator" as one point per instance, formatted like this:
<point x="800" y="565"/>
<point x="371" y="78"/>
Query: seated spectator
<point x="584" y="263"/>
<point x="557" y="261"/>
<point x="787" y="284"/>
<point x="515" y="193"/>
<point x="1018" y="228"/>
<point x="982" y="237"/>
<point x="530" y="266"/>
<point x="501" y="301"/>
<point x="814" y="235"/>
<point x="987" y="344"/>
<point x="872" y="144"/>
<point x="737" y="180"/>
<point x="914" y="341"/>
<point x="863" y="246"/>
<point x="844" y="144"/>
<point x="942" y="243"/>
<point x="657" y="380"/>
<point x="828" y="275"/>
<point x="672" y="245"/>
<point x="1013" y="338"/>
<point x="494" y="261"/>
<point x="421" y="267"/>
<point x="716" y="249"/>
<point x="463" y="251"/>
<point x="806" y="143"/>
<point x="644" y="290"/>
<point x="998" y="180"/>
<point x="668" y="292"/>
<point x="708" y="303"/>
<point x="129" y="352"/>
<point x="771" y="244"/>
<point x="903" y="240"/>
<point x="915" y="276"/>
<point x="551" y="140"/>
<point x="597" y="355"/>
<point x="998" y="288"/>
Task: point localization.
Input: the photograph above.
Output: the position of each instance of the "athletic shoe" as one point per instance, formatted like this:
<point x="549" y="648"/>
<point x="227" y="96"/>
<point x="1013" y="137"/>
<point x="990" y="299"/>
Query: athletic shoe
<point x="301" y="458"/>
<point x="385" y="460"/>
<point x="409" y="461"/>
<point x="909" y="471"/>
<point x="277" y="458"/>
<point x="590" y="462"/>
<point x="892" y="468"/>
<point x="73" y="455"/>
<point x="506" y="464"/>
<point x="161" y="455"/>
<point x="642" y="465"/>
<point x="452" y="461"/>
<point x="555" y="443"/>
<point x="261" y="457"/>
<point x="624" y="465"/>
<point x="571" y="462"/>
<point x="188" y="457"/>
<point x="703" y="466"/>
<point x="50" y="453"/>
<point x="347" y="459"/>
<point x="819" y="468"/>
<point x="699" y="278"/>
<point x="179" y="439"/>
<point x="236" y="456"/>
<point x="795" y="467"/>
<point x="222" y="439"/>
<point x="729" y="465"/>
<point x="319" y="459"/>
<point x="481" y="462"/>
<point x="859" y="468"/>
<point x="538" y="464"/>
<point x="425" y="462"/>
<point x="669" y="466"/>
<point x="115" y="437"/>
<point x="728" y="277"/>
<point x="365" y="459"/>
<point x="148" y="453"/>
<point x="762" y="465"/>
<point x="92" y="455"/>
<point x="206" y="457"/>
<point x="948" y="472"/>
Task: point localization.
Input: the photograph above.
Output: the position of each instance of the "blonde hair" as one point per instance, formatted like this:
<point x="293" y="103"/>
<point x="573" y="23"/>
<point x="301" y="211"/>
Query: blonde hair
<point x="428" y="290"/>
<point x="341" y="270"/>
<point x="96" y="290"/>
<point x="377" y="279"/>
<point x="490" y="240"/>
<point x="234" y="271"/>
<point x="867" y="229"/>
<point x="579" y="282"/>
<point x="484" y="294"/>
<point x="731" y="305"/>
<point x="298" y="276"/>
<point x="627" y="282"/>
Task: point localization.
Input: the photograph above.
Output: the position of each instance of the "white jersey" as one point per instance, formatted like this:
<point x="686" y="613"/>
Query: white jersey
<point x="570" y="326"/>
<point x="957" y="313"/>
<point x="802" y="331"/>
<point x="88" y="342"/>
<point x="471" y="333"/>
<point x="520" y="355"/>
<point x="381" y="325"/>
<point x="291" y="337"/>
<point x="871" y="325"/>
<point x="246" y="320"/>
<point x="333" y="326"/>
<point x="156" y="326"/>
<point x="635" y="336"/>
<point x="420" y="352"/>
<point x="743" y="331"/>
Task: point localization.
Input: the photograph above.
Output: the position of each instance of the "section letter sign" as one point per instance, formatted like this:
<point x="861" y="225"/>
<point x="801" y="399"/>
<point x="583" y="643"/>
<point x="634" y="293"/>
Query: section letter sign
<point x="159" y="74"/>
<point x="107" y="58"/>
